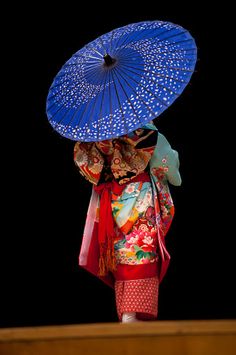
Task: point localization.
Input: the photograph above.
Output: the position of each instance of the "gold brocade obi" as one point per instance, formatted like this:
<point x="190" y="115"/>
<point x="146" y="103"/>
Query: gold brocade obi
<point x="121" y="159"/>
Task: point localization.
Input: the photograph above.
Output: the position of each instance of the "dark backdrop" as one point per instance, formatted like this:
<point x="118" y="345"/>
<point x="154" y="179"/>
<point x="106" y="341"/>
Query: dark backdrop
<point x="45" y="199"/>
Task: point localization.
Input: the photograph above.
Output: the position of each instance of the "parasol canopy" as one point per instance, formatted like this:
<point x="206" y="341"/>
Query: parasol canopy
<point x="121" y="80"/>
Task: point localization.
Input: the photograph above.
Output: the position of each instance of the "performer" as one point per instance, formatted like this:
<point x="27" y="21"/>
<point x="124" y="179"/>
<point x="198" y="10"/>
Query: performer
<point x="129" y="214"/>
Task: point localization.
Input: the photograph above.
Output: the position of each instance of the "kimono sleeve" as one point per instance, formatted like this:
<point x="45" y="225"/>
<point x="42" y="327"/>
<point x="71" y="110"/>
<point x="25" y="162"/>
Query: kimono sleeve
<point x="89" y="161"/>
<point x="165" y="162"/>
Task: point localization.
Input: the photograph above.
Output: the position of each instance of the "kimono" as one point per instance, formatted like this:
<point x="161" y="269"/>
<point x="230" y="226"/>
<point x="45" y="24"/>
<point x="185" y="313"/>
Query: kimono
<point x="129" y="215"/>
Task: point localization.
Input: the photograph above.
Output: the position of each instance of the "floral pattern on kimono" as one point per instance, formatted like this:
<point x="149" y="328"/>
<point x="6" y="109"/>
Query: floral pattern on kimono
<point x="121" y="159"/>
<point x="133" y="212"/>
<point x="162" y="164"/>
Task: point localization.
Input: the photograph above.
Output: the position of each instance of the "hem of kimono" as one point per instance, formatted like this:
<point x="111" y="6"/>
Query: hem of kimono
<point x="146" y="315"/>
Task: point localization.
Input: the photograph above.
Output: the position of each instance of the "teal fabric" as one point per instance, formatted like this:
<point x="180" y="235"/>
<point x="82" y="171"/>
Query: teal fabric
<point x="166" y="158"/>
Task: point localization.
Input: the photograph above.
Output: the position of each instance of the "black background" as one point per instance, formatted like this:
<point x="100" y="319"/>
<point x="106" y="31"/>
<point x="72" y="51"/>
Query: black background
<point x="45" y="199"/>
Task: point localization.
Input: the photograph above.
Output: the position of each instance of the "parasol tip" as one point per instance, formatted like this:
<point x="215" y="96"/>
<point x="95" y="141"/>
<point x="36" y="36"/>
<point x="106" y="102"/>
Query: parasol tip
<point x="108" y="60"/>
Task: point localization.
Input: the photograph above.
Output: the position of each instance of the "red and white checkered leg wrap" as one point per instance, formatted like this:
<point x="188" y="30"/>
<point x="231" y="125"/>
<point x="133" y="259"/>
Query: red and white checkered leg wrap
<point x="140" y="296"/>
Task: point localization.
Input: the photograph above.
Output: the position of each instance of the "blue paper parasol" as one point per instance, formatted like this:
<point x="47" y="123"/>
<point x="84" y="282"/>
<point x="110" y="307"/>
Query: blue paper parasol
<point x="121" y="80"/>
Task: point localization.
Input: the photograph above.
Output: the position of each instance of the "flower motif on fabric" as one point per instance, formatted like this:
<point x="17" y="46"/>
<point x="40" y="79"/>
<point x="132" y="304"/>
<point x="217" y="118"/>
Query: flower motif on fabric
<point x="130" y="188"/>
<point x="143" y="202"/>
<point x="160" y="172"/>
<point x="138" y="247"/>
<point x="164" y="206"/>
<point x="150" y="215"/>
